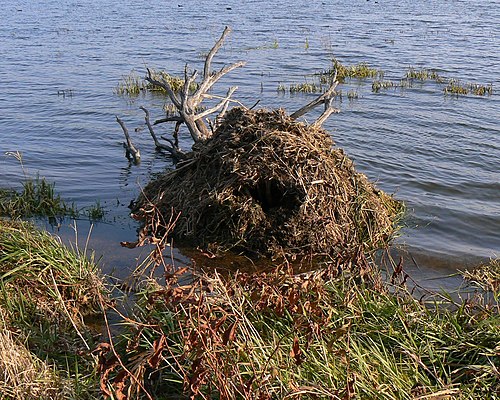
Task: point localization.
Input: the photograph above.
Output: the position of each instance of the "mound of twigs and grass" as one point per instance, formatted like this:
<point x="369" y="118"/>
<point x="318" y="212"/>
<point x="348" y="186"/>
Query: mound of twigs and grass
<point x="269" y="185"/>
<point x="47" y="291"/>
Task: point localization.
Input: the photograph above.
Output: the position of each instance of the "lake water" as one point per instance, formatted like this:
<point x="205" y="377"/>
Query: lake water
<point x="60" y="62"/>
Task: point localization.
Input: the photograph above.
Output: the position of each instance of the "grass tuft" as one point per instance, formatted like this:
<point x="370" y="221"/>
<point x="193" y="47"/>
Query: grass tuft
<point x="47" y="291"/>
<point x="38" y="198"/>
<point x="133" y="85"/>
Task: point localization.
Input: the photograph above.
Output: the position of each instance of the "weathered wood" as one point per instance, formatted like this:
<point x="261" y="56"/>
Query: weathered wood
<point x="188" y="103"/>
<point x="326" y="99"/>
<point x="132" y="153"/>
<point x="173" y="149"/>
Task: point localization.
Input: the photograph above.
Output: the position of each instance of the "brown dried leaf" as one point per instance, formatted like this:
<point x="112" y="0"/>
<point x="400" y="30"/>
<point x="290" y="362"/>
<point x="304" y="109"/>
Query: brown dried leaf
<point x="296" y="352"/>
<point x="230" y="333"/>
<point x="119" y="385"/>
<point x="158" y="346"/>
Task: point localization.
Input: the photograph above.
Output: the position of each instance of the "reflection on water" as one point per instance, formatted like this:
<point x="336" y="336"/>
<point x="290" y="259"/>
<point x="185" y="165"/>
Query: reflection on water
<point x="440" y="154"/>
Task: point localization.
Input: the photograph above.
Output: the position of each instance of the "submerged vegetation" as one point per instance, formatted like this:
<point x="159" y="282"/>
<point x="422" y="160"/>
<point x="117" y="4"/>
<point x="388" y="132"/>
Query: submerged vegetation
<point x="47" y="292"/>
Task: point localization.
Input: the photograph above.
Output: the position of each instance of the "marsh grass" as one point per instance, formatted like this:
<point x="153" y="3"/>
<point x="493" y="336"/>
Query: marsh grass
<point x="456" y="88"/>
<point x="133" y="85"/>
<point x="316" y="335"/>
<point x="424" y="75"/>
<point x="304" y="87"/>
<point x="453" y="87"/>
<point x="355" y="71"/>
<point x="37" y="198"/>
<point x="95" y="212"/>
<point x="46" y="292"/>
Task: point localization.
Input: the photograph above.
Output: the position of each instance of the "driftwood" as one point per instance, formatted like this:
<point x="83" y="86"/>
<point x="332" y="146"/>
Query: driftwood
<point x="326" y="99"/>
<point x="131" y="152"/>
<point x="188" y="103"/>
<point x="190" y="113"/>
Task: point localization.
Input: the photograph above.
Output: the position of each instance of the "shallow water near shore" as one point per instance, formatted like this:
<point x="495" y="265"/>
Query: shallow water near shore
<point x="61" y="61"/>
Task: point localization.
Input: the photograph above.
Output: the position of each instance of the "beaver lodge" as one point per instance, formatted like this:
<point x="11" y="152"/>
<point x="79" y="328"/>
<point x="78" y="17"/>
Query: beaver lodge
<point x="262" y="183"/>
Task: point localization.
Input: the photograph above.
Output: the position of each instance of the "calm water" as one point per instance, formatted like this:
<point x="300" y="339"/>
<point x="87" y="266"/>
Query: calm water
<point x="439" y="154"/>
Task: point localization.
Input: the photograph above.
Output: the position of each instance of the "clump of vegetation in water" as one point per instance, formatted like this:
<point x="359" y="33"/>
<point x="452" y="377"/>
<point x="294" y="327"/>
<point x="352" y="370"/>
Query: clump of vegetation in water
<point x="37" y="198"/>
<point x="424" y="75"/>
<point x="455" y="87"/>
<point x="378" y="85"/>
<point x="356" y="71"/>
<point x="95" y="212"/>
<point x="133" y="85"/>
<point x="305" y="87"/>
<point x="46" y="292"/>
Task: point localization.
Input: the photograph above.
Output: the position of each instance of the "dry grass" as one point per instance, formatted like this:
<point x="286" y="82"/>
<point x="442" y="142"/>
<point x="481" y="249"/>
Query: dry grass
<point x="268" y="185"/>
<point x="487" y="277"/>
<point x="22" y="374"/>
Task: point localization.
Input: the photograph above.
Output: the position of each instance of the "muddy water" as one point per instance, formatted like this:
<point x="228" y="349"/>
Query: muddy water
<point x="60" y="62"/>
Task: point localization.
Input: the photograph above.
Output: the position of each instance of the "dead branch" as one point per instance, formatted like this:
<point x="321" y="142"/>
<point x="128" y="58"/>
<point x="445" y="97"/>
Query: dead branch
<point x="326" y="99"/>
<point x="187" y="103"/>
<point x="173" y="149"/>
<point x="329" y="110"/>
<point x="132" y="153"/>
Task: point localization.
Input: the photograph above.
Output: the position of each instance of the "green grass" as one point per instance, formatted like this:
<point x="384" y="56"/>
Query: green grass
<point x="46" y="292"/>
<point x="95" y="212"/>
<point x="133" y="85"/>
<point x="37" y="198"/>
<point x="355" y="71"/>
